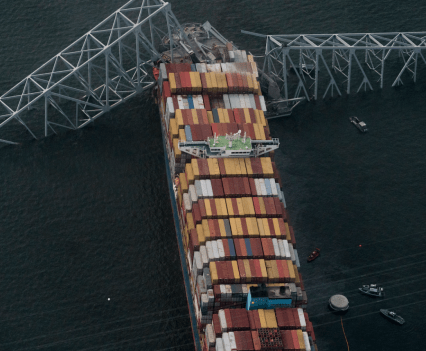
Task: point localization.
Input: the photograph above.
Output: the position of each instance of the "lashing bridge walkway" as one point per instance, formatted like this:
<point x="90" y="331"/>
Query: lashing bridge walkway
<point x="113" y="62"/>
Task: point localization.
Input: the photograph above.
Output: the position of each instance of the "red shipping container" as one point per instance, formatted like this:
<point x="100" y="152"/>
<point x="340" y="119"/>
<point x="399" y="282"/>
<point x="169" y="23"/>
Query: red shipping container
<point x="251" y="320"/>
<point x="256" y="340"/>
<point x="282" y="226"/>
<point x="178" y="84"/>
<point x="231" y="116"/>
<point x="226" y="249"/>
<point x="237" y="116"/>
<point x="235" y="207"/>
<point x="254" y="275"/>
<point x="175" y="102"/>
<point x="202" y="208"/>
<point x="215" y="129"/>
<point x="252" y="187"/>
<point x="228" y="319"/>
<point x="296" y="318"/>
<point x="278" y="208"/>
<point x="272" y="228"/>
<point x="217" y="229"/>
<point x="256" y="205"/>
<point x="216" y="325"/>
<point x="231" y="187"/>
<point x="226" y="190"/>
<point x="217" y="187"/>
<point x="196" y="213"/>
<point x="295" y="340"/>
<point x="241" y="270"/>
<point x="246" y="184"/>
<point x="213" y="207"/>
<point x="238" y="250"/>
<point x="204" y="84"/>
<point x="245" y="230"/>
<point x="211" y="228"/>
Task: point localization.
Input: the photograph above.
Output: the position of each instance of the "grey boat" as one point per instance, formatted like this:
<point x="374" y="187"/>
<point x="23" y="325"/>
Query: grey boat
<point x="372" y="290"/>
<point x="393" y="316"/>
<point x="359" y="124"/>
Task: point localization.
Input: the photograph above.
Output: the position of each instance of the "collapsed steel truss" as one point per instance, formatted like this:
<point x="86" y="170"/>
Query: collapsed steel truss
<point x="297" y="61"/>
<point x="105" y="67"/>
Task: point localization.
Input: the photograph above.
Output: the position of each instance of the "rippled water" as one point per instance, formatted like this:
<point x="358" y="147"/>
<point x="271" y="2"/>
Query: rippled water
<point x="88" y="254"/>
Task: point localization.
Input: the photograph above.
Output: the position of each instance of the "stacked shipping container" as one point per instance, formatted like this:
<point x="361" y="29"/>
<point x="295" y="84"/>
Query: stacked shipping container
<point x="236" y="231"/>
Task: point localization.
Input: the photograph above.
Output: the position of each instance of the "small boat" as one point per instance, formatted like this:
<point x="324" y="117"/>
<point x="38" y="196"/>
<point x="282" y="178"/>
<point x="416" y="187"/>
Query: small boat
<point x="314" y="255"/>
<point x="372" y="290"/>
<point x="393" y="316"/>
<point x="359" y="124"/>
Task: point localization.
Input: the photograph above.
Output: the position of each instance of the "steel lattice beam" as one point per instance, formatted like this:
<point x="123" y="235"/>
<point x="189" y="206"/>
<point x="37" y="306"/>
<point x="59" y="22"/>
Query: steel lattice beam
<point x="105" y="67"/>
<point x="336" y="58"/>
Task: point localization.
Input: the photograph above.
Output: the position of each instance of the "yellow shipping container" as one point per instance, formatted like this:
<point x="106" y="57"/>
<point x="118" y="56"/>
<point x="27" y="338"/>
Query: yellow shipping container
<point x="287" y="232"/>
<point x="236" y="272"/>
<point x="242" y="167"/>
<point x="250" y="82"/>
<point x="262" y="132"/>
<point x="234" y="228"/>
<point x="178" y="153"/>
<point x="199" y="84"/>
<point x="229" y="167"/>
<point x="193" y="82"/>
<point x="267" y="232"/>
<point x="206" y="229"/>
<point x="250" y="58"/>
<point x="291" y="271"/>
<point x="260" y="227"/>
<point x="262" y="206"/>
<point x="256" y="131"/>
<point x="240" y="207"/>
<point x="213" y="273"/>
<point x="189" y="173"/>
<point x="270" y="274"/>
<point x="271" y="320"/>
<point x="183" y="182"/>
<point x="200" y="234"/>
<point x="182" y="136"/>
<point x="238" y="170"/>
<point x="179" y="119"/>
<point x="209" y="83"/>
<point x="226" y="116"/>
<point x="262" y="118"/>
<point x="277" y="228"/>
<point x="267" y="166"/>
<point x="248" y="167"/>
<point x="239" y="227"/>
<point x="218" y="207"/>
<point x="248" y="208"/>
<point x="247" y="269"/>
<point x="195" y="117"/>
<point x="172" y="82"/>
<point x="221" y="116"/>
<point x="195" y="169"/>
<point x="214" y="82"/>
<point x="301" y="340"/>
<point x="254" y="228"/>
<point x="262" y="318"/>
<point x="263" y="270"/>
<point x="247" y="115"/>
<point x="224" y="208"/>
<point x="190" y="221"/>
<point x="230" y="207"/>
<point x="275" y="271"/>
<point x="213" y="170"/>
<point x="208" y="208"/>
<point x="210" y="117"/>
<point x="173" y="128"/>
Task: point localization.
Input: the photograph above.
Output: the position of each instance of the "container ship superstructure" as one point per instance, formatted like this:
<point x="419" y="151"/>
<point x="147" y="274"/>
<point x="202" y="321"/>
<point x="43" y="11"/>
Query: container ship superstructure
<point x="237" y="246"/>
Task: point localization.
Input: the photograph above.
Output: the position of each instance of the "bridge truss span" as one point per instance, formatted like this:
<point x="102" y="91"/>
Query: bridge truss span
<point x="102" y="69"/>
<point x="311" y="64"/>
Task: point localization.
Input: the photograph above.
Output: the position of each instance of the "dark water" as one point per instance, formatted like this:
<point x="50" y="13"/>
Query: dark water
<point x="85" y="216"/>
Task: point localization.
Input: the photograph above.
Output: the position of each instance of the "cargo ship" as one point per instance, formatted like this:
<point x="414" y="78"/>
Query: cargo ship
<point x="237" y="246"/>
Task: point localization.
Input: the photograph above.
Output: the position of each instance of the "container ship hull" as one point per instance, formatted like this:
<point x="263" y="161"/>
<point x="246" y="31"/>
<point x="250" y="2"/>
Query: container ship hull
<point x="237" y="247"/>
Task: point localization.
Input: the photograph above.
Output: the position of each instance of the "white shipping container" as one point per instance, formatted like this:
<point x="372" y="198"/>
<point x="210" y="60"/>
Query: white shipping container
<point x="222" y="291"/>
<point x="273" y="187"/>
<point x="189" y="261"/>
<point x="226" y="101"/>
<point x="200" y="101"/>
<point x="297" y="258"/>
<point x="244" y="55"/>
<point x="217" y="68"/>
<point x="306" y="340"/>
<point x="231" y="56"/>
<point x="281" y="246"/>
<point x="247" y="101"/>
<point x="204" y="256"/>
<point x="209" y="188"/>
<point x="219" y="344"/>
<point x="235" y="101"/>
<point x="187" y="202"/>
<point x="276" y="247"/>
<point x="198" y="188"/>
<point x="193" y="193"/>
<point x="180" y="102"/>
<point x="210" y="335"/>
<point x="287" y="250"/>
<point x="258" y="187"/>
<point x="232" y="341"/>
<point x="204" y="188"/>
<point x="195" y="102"/>
<point x="242" y="100"/>
<point x="302" y="318"/>
<point x="215" y="250"/>
<point x="293" y="257"/>
<point x="221" y="250"/>
<point x="223" y="67"/>
<point x="222" y="320"/>
<point x="262" y="102"/>
<point x="263" y="187"/>
<point x="226" y="342"/>
<point x="198" y="263"/>
<point x="163" y="72"/>
<point x="228" y="291"/>
<point x="210" y="252"/>
<point x="252" y="101"/>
